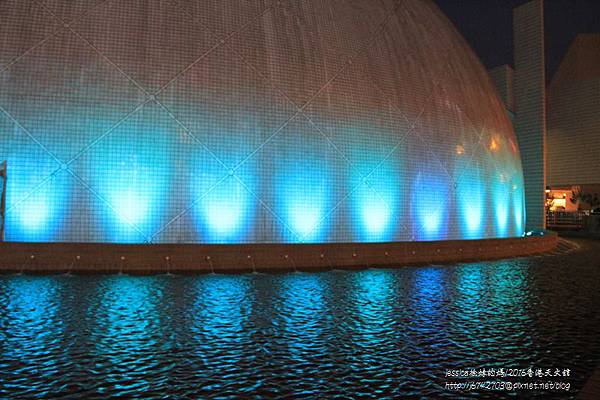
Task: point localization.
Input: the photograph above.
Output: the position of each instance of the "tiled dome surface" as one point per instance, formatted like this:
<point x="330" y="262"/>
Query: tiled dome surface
<point x="249" y="122"/>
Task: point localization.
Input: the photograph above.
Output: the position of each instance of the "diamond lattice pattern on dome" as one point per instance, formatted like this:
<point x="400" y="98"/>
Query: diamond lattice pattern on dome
<point x="169" y="121"/>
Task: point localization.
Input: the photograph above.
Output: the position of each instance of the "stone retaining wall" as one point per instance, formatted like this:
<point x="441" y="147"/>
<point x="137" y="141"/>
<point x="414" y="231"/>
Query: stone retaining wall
<point x="194" y="258"/>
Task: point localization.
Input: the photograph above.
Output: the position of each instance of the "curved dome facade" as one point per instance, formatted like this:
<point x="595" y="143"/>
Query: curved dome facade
<point x="250" y="122"/>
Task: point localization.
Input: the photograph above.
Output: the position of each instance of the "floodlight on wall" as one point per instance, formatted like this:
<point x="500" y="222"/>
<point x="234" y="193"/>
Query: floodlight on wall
<point x="3" y="176"/>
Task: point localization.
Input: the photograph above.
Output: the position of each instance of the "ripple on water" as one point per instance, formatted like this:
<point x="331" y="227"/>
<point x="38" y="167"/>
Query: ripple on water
<point x="371" y="333"/>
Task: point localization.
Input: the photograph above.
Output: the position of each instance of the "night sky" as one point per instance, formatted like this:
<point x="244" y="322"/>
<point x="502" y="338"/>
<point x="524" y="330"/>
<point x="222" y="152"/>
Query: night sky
<point x="487" y="26"/>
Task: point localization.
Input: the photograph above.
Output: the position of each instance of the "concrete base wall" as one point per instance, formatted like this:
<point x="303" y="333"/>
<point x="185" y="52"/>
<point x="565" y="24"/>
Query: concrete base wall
<point x="192" y="258"/>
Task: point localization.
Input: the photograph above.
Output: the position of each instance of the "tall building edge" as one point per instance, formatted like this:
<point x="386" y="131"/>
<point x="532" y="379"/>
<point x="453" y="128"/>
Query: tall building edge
<point x="530" y="106"/>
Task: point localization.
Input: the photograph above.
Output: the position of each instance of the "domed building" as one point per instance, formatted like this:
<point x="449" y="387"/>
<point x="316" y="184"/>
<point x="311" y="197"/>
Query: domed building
<point x="285" y="121"/>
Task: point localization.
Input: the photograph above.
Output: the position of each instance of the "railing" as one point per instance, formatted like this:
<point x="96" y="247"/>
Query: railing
<point x="3" y="177"/>
<point x="565" y="219"/>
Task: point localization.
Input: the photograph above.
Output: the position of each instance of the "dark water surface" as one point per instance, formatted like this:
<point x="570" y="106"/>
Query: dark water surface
<point x="361" y="334"/>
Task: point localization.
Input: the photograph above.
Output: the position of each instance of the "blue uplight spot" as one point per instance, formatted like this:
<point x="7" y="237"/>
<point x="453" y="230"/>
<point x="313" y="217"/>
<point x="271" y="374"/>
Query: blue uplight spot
<point x="37" y="217"/>
<point x="429" y="205"/>
<point x="471" y="200"/>
<point x="226" y="212"/>
<point x="375" y="202"/>
<point x="501" y="203"/>
<point x="304" y="197"/>
<point x="518" y="206"/>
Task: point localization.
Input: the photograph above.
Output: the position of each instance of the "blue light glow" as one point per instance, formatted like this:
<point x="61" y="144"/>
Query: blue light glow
<point x="501" y="202"/>
<point x="304" y="216"/>
<point x="375" y="216"/>
<point x="136" y="195"/>
<point x="34" y="214"/>
<point x="303" y="200"/>
<point x="375" y="202"/>
<point x="131" y="170"/>
<point x="429" y="205"/>
<point x="471" y="200"/>
<point x="147" y="173"/>
<point x="518" y="207"/>
<point x="216" y="153"/>
<point x="372" y="214"/>
<point x="131" y="206"/>
<point x="36" y="218"/>
<point x="224" y="217"/>
<point x="226" y="212"/>
<point x="37" y="192"/>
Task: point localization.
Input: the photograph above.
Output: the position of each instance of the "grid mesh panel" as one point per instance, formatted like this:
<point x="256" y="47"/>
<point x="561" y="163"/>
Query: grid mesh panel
<point x="170" y="121"/>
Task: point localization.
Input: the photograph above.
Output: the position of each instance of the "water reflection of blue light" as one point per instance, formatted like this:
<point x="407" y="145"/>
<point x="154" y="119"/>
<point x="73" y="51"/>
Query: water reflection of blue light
<point x="508" y="286"/>
<point x="303" y="311"/>
<point x="428" y="301"/>
<point x="471" y="198"/>
<point x="222" y="306"/>
<point x="128" y="319"/>
<point x="374" y="298"/>
<point x="472" y="307"/>
<point x="470" y="286"/>
<point x="124" y="323"/>
<point x="30" y="331"/>
<point x="428" y="291"/>
<point x="429" y="202"/>
<point x="373" y="290"/>
<point x="490" y="298"/>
